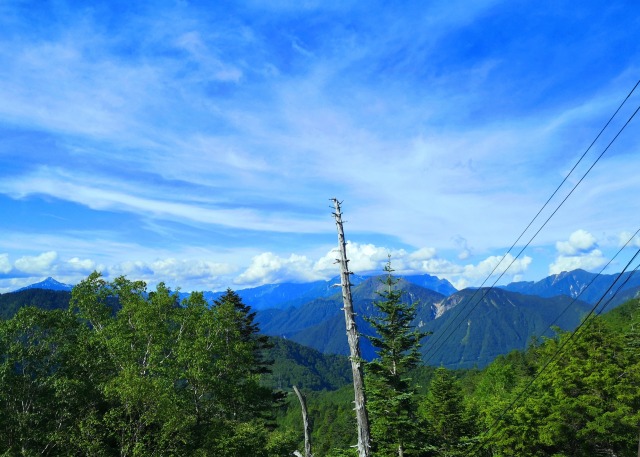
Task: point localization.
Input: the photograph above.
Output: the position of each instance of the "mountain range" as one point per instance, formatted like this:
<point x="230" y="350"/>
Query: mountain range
<point x="293" y="295"/>
<point x="467" y="328"/>
<point x="589" y="287"/>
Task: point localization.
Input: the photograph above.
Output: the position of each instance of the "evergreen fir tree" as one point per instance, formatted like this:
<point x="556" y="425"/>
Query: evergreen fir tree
<point x="392" y="401"/>
<point x="249" y="329"/>
<point x="255" y="400"/>
<point x="444" y="413"/>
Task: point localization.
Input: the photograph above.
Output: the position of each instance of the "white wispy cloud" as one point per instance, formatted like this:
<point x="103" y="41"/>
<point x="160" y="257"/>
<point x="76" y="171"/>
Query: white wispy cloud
<point x="231" y="119"/>
<point x="104" y="195"/>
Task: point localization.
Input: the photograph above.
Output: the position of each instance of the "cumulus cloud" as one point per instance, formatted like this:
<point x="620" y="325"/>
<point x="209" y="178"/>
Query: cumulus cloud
<point x="137" y="269"/>
<point x="590" y="261"/>
<point x="496" y="265"/>
<point x="37" y="264"/>
<point x="624" y="238"/>
<point x="81" y="265"/>
<point x="580" y="251"/>
<point x="368" y="259"/>
<point x="191" y="274"/>
<point x="423" y="254"/>
<point x="363" y="258"/>
<point x="190" y="269"/>
<point x="269" y="268"/>
<point x="5" y="264"/>
<point x="580" y="242"/>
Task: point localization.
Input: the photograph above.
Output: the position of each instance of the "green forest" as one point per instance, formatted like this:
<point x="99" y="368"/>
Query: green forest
<point x="123" y="371"/>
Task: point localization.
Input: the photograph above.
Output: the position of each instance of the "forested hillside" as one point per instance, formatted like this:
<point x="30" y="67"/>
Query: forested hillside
<point x="42" y="298"/>
<point x="569" y="395"/>
<point x="120" y="370"/>
<point x="155" y="377"/>
<point x="484" y="323"/>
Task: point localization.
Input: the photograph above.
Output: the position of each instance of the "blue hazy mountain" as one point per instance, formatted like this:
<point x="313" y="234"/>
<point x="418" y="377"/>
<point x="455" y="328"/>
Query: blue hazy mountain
<point x="294" y="295"/>
<point x="431" y="282"/>
<point x="48" y="284"/>
<point x="478" y="325"/>
<point x="285" y="295"/>
<point x="470" y="328"/>
<point x="589" y="287"/>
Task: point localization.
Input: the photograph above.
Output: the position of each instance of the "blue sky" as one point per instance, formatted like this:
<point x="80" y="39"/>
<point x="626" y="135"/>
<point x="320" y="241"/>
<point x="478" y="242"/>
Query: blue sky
<point x="199" y="143"/>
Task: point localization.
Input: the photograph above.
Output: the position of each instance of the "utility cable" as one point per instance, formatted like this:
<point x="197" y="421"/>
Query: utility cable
<point x="590" y="283"/>
<point x="563" y="181"/>
<point x="527" y="244"/>
<point x="561" y="347"/>
<point x="542" y="208"/>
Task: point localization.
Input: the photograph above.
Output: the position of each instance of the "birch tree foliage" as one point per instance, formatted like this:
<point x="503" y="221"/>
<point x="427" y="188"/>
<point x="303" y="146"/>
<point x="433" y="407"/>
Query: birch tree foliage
<point x="131" y="372"/>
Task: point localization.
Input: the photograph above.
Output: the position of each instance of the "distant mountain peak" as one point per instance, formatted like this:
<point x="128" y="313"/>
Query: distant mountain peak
<point x="587" y="286"/>
<point x="48" y="284"/>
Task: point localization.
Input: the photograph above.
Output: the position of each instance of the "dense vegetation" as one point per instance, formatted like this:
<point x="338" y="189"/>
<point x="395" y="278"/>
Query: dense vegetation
<point x="569" y="396"/>
<point x="40" y="298"/>
<point x="150" y="375"/>
<point x="154" y="377"/>
<point x="392" y="399"/>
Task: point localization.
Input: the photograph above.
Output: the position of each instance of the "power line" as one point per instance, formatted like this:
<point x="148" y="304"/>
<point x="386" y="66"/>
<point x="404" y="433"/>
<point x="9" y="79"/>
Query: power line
<point x="462" y="305"/>
<point x="590" y="283"/>
<point x="585" y="323"/>
<point x="563" y="181"/>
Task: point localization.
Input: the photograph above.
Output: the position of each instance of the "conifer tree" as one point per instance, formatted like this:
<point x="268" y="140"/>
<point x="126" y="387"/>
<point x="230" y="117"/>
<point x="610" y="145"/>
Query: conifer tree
<point x="392" y="396"/>
<point x="444" y="413"/>
<point x="252" y="399"/>
<point x="584" y="403"/>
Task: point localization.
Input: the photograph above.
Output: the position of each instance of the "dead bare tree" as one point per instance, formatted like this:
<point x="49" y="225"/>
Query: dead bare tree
<point x="305" y="421"/>
<point x="362" y="418"/>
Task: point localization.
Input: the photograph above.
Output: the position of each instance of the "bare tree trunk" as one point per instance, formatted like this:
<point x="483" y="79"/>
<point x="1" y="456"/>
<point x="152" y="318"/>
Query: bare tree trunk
<point x="364" y="439"/>
<point x="639" y="440"/>
<point x="305" y="421"/>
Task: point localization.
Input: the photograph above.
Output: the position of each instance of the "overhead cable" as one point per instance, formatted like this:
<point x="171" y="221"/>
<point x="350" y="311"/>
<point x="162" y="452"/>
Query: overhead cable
<point x="487" y="290"/>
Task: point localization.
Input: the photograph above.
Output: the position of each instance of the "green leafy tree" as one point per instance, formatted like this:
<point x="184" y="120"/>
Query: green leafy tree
<point x="185" y="377"/>
<point x="392" y="399"/>
<point x="45" y="388"/>
<point x="128" y="372"/>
